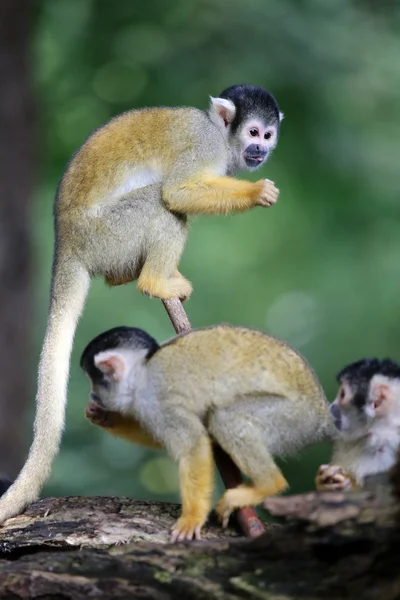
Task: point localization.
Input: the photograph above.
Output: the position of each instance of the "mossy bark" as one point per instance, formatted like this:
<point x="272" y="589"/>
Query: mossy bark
<point x="334" y="546"/>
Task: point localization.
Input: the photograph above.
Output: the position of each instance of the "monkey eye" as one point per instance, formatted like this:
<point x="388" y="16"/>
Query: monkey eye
<point x="342" y="394"/>
<point x="268" y="135"/>
<point x="254" y="132"/>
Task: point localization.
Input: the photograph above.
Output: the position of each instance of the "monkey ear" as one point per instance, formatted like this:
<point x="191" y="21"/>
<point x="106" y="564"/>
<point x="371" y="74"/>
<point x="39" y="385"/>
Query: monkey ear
<point x="223" y="108"/>
<point x="111" y="364"/>
<point x="382" y="397"/>
<point x="281" y="116"/>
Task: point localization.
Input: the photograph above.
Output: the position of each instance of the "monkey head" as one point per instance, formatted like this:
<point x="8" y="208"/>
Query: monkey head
<point x="368" y="396"/>
<point x="113" y="362"/>
<point x="251" y="118"/>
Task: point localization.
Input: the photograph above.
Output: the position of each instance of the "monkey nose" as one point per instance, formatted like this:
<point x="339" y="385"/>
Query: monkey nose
<point x="336" y="415"/>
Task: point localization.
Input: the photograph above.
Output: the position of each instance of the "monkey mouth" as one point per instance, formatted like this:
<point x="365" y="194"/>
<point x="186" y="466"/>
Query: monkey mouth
<point x="254" y="160"/>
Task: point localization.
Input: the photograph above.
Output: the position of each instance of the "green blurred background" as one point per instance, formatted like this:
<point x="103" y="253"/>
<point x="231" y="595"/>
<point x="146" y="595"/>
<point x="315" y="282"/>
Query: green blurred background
<point x="321" y="269"/>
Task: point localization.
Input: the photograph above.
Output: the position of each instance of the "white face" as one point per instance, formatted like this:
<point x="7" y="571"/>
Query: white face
<point x="257" y="140"/>
<point x="356" y="414"/>
<point x="252" y="142"/>
<point x="349" y="419"/>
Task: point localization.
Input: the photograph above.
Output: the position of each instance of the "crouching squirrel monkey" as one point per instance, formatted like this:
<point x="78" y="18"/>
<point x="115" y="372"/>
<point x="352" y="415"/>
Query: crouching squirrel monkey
<point x="121" y="213"/>
<point x="251" y="393"/>
<point x="366" y="412"/>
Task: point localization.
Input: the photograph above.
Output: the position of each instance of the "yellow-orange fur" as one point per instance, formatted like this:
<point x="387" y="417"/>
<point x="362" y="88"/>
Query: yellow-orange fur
<point x="126" y="140"/>
<point x="196" y="473"/>
<point x="214" y="195"/>
<point x="120" y="425"/>
<point x="250" y="494"/>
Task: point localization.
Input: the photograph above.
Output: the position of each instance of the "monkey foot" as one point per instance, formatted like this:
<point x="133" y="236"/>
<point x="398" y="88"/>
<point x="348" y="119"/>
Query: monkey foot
<point x="176" y="287"/>
<point x="224" y="512"/>
<point x="98" y="415"/>
<point x="248" y="495"/>
<point x="233" y="499"/>
<point x="187" y="528"/>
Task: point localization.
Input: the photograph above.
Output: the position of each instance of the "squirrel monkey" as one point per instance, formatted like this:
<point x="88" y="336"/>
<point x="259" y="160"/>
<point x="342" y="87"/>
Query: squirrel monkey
<point x="121" y="213"/>
<point x="249" y="392"/>
<point x="366" y="412"/>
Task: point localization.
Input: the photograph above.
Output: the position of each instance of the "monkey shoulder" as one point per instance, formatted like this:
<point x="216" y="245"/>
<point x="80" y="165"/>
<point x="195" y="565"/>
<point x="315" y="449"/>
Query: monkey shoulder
<point x="202" y="133"/>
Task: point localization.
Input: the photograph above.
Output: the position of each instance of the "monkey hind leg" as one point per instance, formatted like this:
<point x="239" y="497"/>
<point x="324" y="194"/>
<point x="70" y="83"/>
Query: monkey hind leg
<point x="196" y="482"/>
<point x="243" y="438"/>
<point x="159" y="275"/>
<point x="162" y="280"/>
<point x="186" y="439"/>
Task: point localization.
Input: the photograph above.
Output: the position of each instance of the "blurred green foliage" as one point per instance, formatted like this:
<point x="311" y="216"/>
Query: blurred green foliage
<point x="321" y="269"/>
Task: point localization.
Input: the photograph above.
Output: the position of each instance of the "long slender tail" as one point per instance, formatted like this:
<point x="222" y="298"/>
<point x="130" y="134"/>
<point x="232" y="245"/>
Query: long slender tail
<point x="70" y="286"/>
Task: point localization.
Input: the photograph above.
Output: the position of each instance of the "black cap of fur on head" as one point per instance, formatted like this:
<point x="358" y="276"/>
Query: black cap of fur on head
<point x="360" y="373"/>
<point x="251" y="100"/>
<point x="366" y="368"/>
<point x="118" y="337"/>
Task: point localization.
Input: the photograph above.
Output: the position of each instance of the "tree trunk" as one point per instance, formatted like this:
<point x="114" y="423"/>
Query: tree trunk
<point x="16" y="117"/>
<point x="338" y="546"/>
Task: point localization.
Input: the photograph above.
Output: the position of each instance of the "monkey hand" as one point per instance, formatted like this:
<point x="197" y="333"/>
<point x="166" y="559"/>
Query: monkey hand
<point x="332" y="478"/>
<point x="98" y="415"/>
<point x="268" y="193"/>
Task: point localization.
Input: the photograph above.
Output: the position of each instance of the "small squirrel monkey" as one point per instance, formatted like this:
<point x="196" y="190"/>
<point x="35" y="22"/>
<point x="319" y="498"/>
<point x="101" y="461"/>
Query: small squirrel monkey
<point x="251" y="393"/>
<point x="121" y="213"/>
<point x="366" y="412"/>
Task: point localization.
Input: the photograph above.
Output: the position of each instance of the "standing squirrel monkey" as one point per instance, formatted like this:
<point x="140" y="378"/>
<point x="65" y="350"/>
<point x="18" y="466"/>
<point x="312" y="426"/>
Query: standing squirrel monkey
<point x="249" y="392"/>
<point x="121" y="213"/>
<point x="366" y="412"/>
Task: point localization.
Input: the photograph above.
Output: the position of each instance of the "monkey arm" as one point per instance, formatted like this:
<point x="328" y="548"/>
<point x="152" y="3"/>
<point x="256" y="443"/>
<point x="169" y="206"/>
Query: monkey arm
<point x="212" y="195"/>
<point x="119" y="425"/>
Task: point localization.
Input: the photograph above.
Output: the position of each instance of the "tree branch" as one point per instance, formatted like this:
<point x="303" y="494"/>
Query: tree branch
<point x="79" y="548"/>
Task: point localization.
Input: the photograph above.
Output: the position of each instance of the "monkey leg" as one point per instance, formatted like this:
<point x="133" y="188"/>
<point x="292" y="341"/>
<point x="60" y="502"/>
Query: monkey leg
<point x="186" y="439"/>
<point x="160" y="277"/>
<point x="243" y="438"/>
<point x="136" y="237"/>
<point x="196" y="483"/>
